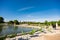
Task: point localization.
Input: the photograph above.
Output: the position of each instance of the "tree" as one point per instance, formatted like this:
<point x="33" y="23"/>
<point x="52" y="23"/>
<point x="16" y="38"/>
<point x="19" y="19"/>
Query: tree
<point x="10" y="22"/>
<point x="53" y="22"/>
<point x="47" y="23"/>
<point x="1" y="20"/>
<point x="16" y="22"/>
<point x="59" y="22"/>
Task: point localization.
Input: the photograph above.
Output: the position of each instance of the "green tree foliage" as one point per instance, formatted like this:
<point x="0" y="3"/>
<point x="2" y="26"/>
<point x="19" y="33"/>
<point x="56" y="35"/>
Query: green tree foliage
<point x="16" y="22"/>
<point x="59" y="22"/>
<point x="53" y="22"/>
<point x="1" y="20"/>
<point x="10" y="22"/>
<point x="47" y="23"/>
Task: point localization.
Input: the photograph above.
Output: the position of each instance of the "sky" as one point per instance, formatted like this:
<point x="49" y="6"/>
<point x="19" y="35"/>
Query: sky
<point x="30" y="10"/>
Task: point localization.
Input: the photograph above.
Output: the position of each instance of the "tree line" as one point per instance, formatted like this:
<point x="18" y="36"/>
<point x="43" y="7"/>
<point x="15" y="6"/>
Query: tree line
<point x="10" y="22"/>
<point x="17" y="22"/>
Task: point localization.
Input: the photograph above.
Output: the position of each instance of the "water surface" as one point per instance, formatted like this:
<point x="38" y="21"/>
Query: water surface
<point x="6" y="30"/>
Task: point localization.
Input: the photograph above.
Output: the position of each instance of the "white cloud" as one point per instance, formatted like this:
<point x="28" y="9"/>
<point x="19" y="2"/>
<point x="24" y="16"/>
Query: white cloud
<point x="26" y="8"/>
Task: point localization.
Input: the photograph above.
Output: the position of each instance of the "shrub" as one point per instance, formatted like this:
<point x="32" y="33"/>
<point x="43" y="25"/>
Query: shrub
<point x="11" y="36"/>
<point x="23" y="32"/>
<point x="2" y="38"/>
<point x="41" y="30"/>
<point x="32" y="32"/>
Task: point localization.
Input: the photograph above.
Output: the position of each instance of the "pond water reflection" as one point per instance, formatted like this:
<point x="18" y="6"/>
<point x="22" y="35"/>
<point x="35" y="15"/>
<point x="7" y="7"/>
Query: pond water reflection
<point x="6" y="30"/>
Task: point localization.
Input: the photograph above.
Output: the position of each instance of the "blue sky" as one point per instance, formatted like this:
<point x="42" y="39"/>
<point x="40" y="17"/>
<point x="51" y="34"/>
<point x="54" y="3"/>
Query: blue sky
<point x="30" y="10"/>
